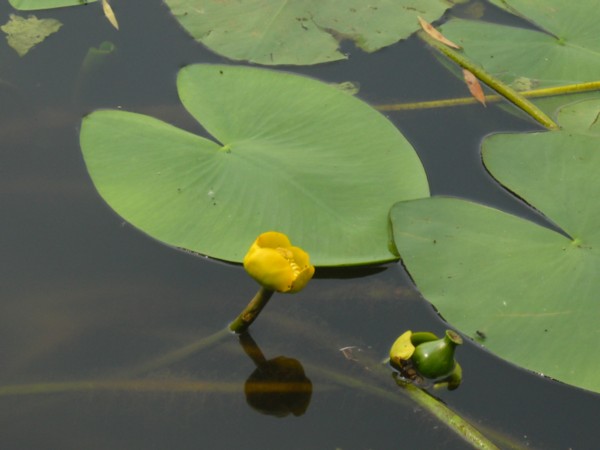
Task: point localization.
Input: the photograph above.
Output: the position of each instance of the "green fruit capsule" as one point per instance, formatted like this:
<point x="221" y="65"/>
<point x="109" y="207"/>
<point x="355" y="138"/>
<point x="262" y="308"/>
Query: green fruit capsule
<point x="435" y="359"/>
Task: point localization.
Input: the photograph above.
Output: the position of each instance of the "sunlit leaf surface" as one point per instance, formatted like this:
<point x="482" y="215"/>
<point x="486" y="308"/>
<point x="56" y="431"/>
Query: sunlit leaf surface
<point x="300" y="32"/>
<point x="288" y="153"/>
<point x="532" y="291"/>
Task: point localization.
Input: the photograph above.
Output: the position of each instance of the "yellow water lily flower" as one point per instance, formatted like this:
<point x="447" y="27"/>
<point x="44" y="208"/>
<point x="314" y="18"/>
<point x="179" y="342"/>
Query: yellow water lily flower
<point x="277" y="265"/>
<point x="402" y="349"/>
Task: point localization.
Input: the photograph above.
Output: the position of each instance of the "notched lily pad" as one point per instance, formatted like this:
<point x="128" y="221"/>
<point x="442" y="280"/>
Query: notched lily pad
<point x="23" y="34"/>
<point x="288" y="153"/>
<point x="532" y="291"/>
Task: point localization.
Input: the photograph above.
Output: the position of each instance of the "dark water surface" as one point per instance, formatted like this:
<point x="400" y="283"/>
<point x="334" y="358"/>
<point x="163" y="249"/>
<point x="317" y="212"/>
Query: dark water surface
<point x="86" y="296"/>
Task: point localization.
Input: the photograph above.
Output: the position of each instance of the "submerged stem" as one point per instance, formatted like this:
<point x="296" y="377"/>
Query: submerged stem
<point x="178" y="354"/>
<point x="239" y="325"/>
<point x="452" y="420"/>
<point x="435" y="407"/>
<point x="134" y="385"/>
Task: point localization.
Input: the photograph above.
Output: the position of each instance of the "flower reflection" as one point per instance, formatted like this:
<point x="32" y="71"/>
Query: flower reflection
<point x="279" y="386"/>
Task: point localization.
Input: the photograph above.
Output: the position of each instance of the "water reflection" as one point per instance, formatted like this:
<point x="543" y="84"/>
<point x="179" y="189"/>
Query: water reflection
<point x="278" y="386"/>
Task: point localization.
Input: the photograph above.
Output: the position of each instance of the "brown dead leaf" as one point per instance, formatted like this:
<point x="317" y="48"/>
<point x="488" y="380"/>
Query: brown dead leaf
<point x="474" y="86"/>
<point x="110" y="14"/>
<point x="431" y="31"/>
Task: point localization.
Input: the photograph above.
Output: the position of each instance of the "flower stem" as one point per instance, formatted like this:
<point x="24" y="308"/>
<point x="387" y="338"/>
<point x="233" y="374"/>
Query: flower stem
<point x="251" y="312"/>
<point x="534" y="93"/>
<point x="448" y="417"/>
<point x="443" y="413"/>
<point x="506" y="91"/>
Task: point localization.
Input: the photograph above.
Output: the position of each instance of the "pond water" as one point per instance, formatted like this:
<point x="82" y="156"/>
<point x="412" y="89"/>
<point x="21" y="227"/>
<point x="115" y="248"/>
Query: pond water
<point x="85" y="296"/>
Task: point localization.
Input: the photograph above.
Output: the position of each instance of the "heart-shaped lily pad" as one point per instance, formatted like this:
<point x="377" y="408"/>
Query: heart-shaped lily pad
<point x="291" y="154"/>
<point x="532" y="291"/>
<point x="300" y="32"/>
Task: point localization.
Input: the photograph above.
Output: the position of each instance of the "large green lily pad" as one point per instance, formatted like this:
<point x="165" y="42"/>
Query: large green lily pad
<point x="289" y="154"/>
<point x="566" y="52"/>
<point x="300" y="32"/>
<point x="31" y="5"/>
<point x="532" y="291"/>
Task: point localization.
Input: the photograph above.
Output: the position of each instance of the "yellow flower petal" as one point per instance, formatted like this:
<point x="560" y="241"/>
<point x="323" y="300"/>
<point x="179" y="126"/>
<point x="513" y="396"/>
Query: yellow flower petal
<point x="277" y="265"/>
<point x="302" y="268"/>
<point x="269" y="268"/>
<point x="273" y="239"/>
<point x="402" y="349"/>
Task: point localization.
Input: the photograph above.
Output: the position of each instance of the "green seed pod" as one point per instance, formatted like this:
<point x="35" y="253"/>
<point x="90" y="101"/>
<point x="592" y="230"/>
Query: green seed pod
<point x="420" y="337"/>
<point x="435" y="359"/>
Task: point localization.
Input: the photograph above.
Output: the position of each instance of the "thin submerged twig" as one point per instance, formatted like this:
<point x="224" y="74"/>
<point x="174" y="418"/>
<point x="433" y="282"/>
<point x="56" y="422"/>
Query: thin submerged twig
<point x="178" y="354"/>
<point x="134" y="385"/>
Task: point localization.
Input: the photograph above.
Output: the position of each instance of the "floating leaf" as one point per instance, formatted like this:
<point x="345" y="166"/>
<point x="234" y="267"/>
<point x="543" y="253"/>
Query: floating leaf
<point x="568" y="52"/>
<point x="24" y="34"/>
<point x="290" y="154"/>
<point x="435" y="34"/>
<point x="474" y="86"/>
<point x="532" y="291"/>
<point x="300" y="32"/>
<point x="31" y="5"/>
